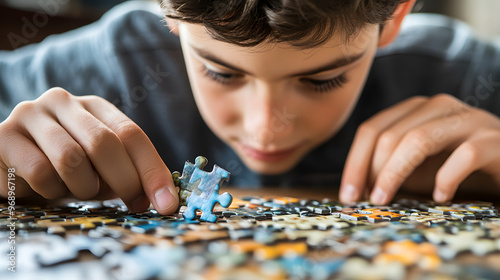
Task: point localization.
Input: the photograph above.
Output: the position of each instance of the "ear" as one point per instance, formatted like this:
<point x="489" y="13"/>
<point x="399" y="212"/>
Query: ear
<point x="173" y="25"/>
<point x="392" y="26"/>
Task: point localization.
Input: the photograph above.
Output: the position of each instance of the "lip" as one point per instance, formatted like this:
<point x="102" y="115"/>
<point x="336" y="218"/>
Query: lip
<point x="270" y="156"/>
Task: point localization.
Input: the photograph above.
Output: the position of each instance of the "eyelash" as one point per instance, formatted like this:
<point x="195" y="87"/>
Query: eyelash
<point x="320" y="86"/>
<point x="218" y="77"/>
<point x="323" y="86"/>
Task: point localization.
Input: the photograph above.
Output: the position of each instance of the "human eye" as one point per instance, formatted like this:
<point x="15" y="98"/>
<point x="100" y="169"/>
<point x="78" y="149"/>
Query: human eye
<point x="323" y="86"/>
<point x="223" y="78"/>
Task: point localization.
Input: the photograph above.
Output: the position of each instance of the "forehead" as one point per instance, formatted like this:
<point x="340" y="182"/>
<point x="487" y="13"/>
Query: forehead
<point x="198" y="33"/>
<point x="269" y="57"/>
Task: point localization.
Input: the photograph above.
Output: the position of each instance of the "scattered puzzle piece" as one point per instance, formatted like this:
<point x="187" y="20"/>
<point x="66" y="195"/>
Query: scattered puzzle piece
<point x="410" y="253"/>
<point x="265" y="252"/>
<point x="278" y="237"/>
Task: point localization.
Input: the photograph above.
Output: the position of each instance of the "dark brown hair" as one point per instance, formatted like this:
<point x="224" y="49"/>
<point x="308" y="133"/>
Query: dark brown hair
<point x="301" y="23"/>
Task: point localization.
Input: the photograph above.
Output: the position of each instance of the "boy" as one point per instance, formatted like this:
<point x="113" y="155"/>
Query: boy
<point x="277" y="100"/>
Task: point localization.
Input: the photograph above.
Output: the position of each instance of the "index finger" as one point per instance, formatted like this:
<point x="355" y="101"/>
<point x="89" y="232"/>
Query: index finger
<point x="155" y="177"/>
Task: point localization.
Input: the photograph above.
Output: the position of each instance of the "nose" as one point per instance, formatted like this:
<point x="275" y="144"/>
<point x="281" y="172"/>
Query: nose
<point x="267" y="118"/>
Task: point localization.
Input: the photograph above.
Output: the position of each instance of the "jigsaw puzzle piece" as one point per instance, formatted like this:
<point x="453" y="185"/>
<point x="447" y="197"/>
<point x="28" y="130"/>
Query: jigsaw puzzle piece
<point x="409" y="253"/>
<point x="208" y="187"/>
<point x="264" y="252"/>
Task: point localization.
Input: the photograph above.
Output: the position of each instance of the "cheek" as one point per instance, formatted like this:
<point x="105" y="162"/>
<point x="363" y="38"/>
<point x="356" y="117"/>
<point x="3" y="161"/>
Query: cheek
<point x="215" y="104"/>
<point x="329" y="117"/>
<point x="335" y="110"/>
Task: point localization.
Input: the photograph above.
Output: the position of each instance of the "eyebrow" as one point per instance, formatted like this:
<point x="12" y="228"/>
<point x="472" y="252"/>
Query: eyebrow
<point x="337" y="63"/>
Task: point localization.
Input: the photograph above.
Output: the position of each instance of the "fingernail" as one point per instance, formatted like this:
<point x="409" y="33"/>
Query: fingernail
<point x="140" y="203"/>
<point x="439" y="196"/>
<point x="349" y="194"/>
<point x="163" y="198"/>
<point x="378" y="196"/>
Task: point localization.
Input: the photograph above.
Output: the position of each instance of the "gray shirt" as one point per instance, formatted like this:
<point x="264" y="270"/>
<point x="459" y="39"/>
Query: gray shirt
<point x="130" y="58"/>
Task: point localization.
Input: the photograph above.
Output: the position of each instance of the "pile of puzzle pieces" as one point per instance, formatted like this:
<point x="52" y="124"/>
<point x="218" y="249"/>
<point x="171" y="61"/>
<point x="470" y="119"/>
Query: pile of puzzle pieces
<point x="250" y="238"/>
<point x="255" y="237"/>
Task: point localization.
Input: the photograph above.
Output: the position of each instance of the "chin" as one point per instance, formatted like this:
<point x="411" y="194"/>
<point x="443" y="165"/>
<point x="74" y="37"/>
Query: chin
<point x="269" y="168"/>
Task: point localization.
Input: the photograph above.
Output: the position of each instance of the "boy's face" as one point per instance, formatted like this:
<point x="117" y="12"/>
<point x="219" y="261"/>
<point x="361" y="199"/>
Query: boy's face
<point x="274" y="103"/>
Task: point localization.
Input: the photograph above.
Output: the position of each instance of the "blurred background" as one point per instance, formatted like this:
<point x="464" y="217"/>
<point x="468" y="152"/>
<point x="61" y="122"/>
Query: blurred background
<point x="56" y="16"/>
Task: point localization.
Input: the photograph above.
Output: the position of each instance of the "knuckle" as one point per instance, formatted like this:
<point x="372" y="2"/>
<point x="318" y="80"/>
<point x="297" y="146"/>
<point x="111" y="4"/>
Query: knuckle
<point x="22" y="109"/>
<point x="444" y="98"/>
<point x="470" y="152"/>
<point x="127" y="129"/>
<point x="422" y="142"/>
<point x="69" y="157"/>
<point x="91" y="98"/>
<point x="87" y="100"/>
<point x="99" y="138"/>
<point x="56" y="93"/>
<point x="417" y="136"/>
<point x="387" y="140"/>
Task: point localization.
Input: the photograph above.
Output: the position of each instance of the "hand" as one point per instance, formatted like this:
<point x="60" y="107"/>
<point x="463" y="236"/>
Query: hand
<point x="391" y="145"/>
<point x="60" y="144"/>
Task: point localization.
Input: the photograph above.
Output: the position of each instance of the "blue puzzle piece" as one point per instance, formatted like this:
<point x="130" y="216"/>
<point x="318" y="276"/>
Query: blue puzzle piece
<point x="206" y="195"/>
<point x="198" y="189"/>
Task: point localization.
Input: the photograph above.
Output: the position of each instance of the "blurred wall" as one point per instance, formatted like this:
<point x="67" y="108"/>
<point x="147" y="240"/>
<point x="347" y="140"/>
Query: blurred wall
<point x="24" y="22"/>
<point x="482" y="15"/>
